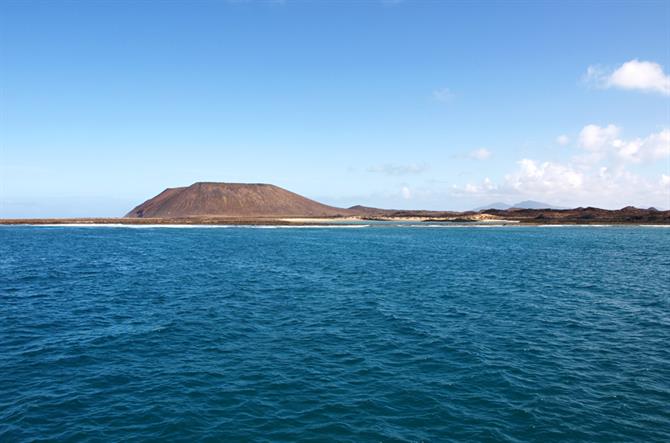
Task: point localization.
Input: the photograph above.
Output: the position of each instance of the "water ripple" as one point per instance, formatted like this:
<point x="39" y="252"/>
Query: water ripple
<point x="379" y="334"/>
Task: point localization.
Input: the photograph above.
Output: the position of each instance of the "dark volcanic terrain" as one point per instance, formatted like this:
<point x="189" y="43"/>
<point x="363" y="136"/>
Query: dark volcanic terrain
<point x="590" y="215"/>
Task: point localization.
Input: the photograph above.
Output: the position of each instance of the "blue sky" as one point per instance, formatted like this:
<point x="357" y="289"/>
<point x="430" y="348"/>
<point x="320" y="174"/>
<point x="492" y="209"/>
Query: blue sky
<point x="436" y="105"/>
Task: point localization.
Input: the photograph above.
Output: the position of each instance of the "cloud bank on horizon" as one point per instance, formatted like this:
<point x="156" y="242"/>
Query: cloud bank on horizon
<point x="597" y="171"/>
<point x="389" y="104"/>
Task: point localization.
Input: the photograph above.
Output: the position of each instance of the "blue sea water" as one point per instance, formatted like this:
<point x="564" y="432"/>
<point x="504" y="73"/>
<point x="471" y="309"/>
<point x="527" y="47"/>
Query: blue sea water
<point x="371" y="334"/>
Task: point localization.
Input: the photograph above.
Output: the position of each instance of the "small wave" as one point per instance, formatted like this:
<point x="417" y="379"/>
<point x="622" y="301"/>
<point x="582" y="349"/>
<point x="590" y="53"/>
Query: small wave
<point x="132" y="226"/>
<point x="333" y="226"/>
<point x="577" y="226"/>
<point x="300" y="226"/>
<point x="123" y="225"/>
<point x="321" y="226"/>
<point x="452" y="226"/>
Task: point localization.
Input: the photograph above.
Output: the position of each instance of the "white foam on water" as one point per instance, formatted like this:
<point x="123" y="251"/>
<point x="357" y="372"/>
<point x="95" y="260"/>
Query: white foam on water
<point x="576" y="226"/>
<point x="334" y="226"/>
<point x="453" y="226"/>
<point x="122" y="225"/>
<point x="132" y="226"/>
<point x="298" y="226"/>
<point x="303" y="226"/>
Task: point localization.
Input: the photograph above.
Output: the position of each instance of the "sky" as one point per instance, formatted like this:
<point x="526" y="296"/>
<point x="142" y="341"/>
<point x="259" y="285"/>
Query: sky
<point x="395" y="104"/>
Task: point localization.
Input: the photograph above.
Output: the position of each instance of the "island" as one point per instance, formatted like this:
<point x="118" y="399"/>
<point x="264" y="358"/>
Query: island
<point x="213" y="203"/>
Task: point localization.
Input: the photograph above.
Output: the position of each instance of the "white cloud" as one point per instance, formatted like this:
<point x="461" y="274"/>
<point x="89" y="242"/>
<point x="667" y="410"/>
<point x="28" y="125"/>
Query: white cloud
<point x="443" y="95"/>
<point x="545" y="178"/>
<point x="595" y="75"/>
<point x="658" y="145"/>
<point x="487" y="186"/>
<point x="398" y="170"/>
<point x="569" y="185"/>
<point x="480" y="154"/>
<point x="629" y="151"/>
<point x="563" y="140"/>
<point x="406" y="193"/>
<point x="595" y="138"/>
<point x="634" y="74"/>
<point x="603" y="141"/>
<point x="599" y="177"/>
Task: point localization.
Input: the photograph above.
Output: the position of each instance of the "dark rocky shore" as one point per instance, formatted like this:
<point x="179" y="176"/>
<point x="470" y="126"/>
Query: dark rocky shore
<point x="589" y="215"/>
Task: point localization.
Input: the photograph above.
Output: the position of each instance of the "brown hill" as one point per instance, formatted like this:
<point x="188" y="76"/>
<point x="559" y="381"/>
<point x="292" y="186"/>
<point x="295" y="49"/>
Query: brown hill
<point x="232" y="200"/>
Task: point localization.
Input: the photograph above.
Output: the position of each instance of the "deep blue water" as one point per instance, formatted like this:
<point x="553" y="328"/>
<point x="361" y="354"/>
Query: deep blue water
<point x="370" y="334"/>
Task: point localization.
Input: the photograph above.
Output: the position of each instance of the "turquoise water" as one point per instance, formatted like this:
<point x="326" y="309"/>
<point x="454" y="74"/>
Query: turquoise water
<point x="361" y="334"/>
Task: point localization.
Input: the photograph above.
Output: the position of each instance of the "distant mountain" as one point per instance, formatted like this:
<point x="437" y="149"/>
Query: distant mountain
<point x="496" y="205"/>
<point x="526" y="204"/>
<point x="232" y="200"/>
<point x="532" y="204"/>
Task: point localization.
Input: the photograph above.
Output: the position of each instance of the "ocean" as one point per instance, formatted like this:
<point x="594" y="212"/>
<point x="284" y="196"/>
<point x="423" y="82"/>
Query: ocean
<point x="375" y="334"/>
